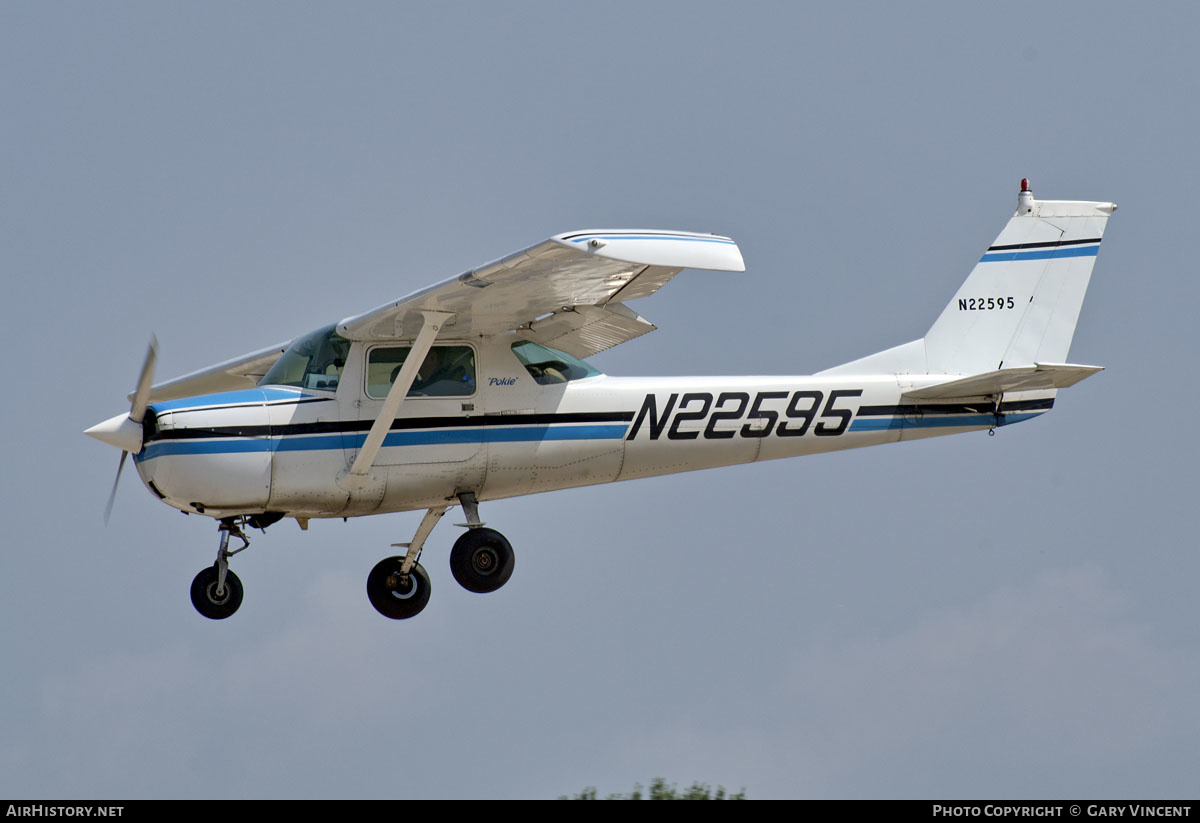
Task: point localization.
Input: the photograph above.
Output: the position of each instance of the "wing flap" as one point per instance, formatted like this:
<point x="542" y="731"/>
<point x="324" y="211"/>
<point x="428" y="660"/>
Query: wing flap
<point x="1038" y="377"/>
<point x="588" y="330"/>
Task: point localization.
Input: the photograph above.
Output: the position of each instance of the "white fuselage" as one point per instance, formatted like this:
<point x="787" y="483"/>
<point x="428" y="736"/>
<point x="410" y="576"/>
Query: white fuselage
<point x="287" y="450"/>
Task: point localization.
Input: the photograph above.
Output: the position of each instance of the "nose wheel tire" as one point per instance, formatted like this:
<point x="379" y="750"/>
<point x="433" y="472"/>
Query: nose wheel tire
<point x="482" y="560"/>
<point x="213" y="604"/>
<point x="396" y="595"/>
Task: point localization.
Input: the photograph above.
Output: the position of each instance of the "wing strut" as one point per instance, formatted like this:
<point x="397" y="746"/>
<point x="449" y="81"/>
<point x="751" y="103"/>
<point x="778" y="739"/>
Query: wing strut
<point x="434" y="320"/>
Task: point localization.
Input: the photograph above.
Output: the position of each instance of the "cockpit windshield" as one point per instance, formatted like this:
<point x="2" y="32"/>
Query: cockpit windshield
<point x="547" y="366"/>
<point x="314" y="361"/>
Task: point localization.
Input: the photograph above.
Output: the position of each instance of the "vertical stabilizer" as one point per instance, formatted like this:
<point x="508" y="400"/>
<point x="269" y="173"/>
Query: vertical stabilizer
<point x="1019" y="305"/>
<point x="1021" y="301"/>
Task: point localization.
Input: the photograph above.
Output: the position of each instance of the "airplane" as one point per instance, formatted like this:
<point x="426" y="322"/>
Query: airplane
<point x="477" y="389"/>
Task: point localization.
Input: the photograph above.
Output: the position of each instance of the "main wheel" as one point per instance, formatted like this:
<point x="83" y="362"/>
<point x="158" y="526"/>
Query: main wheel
<point x="482" y="560"/>
<point x="391" y="595"/>
<point x="205" y="597"/>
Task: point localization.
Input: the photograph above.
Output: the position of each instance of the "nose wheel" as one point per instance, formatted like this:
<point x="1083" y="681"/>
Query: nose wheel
<point x="212" y="600"/>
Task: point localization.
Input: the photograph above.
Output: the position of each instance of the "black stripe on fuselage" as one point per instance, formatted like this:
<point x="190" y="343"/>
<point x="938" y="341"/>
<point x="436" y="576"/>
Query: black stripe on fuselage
<point x="982" y="407"/>
<point x="349" y="426"/>
<point x="1050" y="245"/>
<point x="246" y="405"/>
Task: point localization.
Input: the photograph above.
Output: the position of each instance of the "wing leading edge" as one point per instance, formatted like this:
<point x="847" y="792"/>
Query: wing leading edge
<point x="239" y="373"/>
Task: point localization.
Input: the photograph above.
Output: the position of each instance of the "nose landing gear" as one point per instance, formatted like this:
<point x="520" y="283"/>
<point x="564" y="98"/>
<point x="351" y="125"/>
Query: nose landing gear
<point x="217" y="591"/>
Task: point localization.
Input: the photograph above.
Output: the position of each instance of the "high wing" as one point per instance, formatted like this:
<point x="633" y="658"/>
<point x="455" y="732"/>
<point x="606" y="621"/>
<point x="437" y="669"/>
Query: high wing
<point x="567" y="292"/>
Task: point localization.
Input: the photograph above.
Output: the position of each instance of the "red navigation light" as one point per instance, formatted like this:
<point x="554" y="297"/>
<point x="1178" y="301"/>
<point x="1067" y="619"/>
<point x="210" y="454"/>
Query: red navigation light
<point x="1024" y="184"/>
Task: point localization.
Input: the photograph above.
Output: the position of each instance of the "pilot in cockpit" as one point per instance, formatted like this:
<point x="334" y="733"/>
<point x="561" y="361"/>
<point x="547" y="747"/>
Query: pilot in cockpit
<point x="443" y="374"/>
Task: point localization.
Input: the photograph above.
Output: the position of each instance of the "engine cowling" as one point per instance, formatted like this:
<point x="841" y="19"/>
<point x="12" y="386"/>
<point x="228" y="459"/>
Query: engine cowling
<point x="209" y="454"/>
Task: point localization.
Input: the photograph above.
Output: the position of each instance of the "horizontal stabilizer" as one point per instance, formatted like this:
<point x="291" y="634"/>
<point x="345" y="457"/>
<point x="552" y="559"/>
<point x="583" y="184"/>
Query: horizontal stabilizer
<point x="1038" y="377"/>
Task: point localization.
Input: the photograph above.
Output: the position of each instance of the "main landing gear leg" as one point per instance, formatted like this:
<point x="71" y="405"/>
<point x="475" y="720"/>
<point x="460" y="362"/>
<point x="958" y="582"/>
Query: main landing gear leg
<point x="398" y="587"/>
<point x="217" y="591"/>
<point x="482" y="560"/>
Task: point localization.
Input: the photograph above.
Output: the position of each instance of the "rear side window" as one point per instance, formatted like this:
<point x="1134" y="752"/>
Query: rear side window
<point x="548" y="366"/>
<point x="448" y="371"/>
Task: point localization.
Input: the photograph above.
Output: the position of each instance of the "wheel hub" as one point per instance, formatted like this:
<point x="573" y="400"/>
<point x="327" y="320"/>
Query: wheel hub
<point x="215" y="596"/>
<point x="400" y="585"/>
<point x="484" y="561"/>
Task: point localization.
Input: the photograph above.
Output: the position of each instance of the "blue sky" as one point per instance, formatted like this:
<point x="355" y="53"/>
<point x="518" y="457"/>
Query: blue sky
<point x="1007" y="616"/>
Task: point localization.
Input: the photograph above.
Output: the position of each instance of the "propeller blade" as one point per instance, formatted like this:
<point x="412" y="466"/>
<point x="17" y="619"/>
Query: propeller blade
<point x="141" y="397"/>
<point x="112" y="496"/>
<point x="125" y="431"/>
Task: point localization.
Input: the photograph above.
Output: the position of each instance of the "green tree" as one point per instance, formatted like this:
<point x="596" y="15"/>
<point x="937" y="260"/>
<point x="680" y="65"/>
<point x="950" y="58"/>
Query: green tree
<point x="660" y="790"/>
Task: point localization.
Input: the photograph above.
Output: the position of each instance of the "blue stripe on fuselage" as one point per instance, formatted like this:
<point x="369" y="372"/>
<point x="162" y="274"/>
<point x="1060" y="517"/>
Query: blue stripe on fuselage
<point x="863" y="424"/>
<point x="437" y="437"/>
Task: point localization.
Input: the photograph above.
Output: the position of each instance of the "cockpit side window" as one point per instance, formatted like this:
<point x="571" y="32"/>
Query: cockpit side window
<point x="548" y="366"/>
<point x="315" y="361"/>
<point x="448" y="371"/>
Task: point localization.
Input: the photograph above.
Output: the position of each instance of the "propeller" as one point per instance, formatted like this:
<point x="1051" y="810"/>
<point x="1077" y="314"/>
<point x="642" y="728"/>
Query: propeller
<point x="112" y="495"/>
<point x="125" y="430"/>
